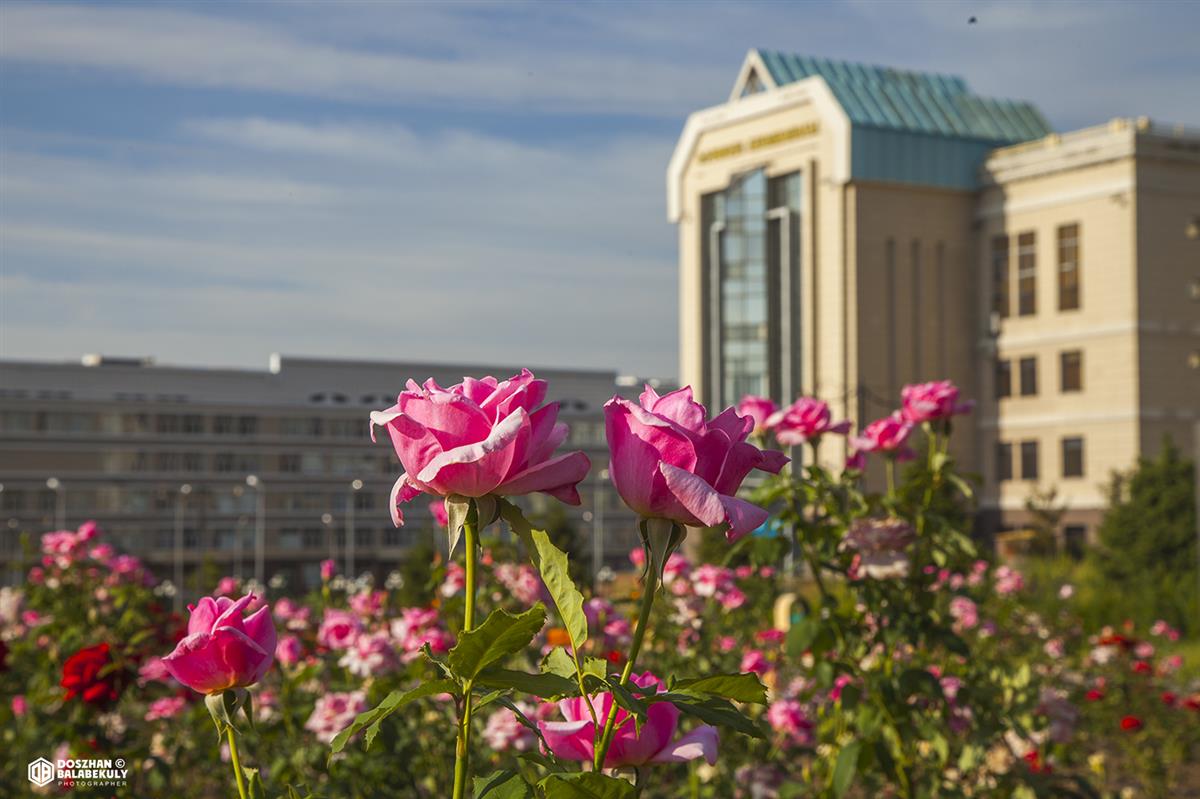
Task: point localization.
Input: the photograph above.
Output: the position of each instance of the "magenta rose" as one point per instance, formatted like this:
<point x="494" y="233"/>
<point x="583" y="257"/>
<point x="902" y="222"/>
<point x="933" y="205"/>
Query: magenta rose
<point x="668" y="462"/>
<point x="574" y="738"/>
<point x="760" y="409"/>
<point x="887" y="436"/>
<point x="477" y="438"/>
<point x="223" y="650"/>
<point x="929" y="402"/>
<point x="805" y="420"/>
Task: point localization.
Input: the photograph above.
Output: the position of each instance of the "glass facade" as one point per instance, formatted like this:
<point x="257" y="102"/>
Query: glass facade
<point x="752" y="247"/>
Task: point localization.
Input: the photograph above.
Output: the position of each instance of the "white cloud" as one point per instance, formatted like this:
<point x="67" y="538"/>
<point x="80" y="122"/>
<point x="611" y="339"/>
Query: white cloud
<point x="167" y="46"/>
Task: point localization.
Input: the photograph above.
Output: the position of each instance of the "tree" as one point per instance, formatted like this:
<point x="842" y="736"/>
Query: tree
<point x="1045" y="512"/>
<point x="1148" y="537"/>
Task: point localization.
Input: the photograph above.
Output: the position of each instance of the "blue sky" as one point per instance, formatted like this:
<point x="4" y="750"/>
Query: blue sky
<point x="212" y="182"/>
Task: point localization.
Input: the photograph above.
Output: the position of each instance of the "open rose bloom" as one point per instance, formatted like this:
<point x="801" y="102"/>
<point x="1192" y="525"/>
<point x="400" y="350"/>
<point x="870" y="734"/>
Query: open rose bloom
<point x="805" y="420"/>
<point x="574" y="738"/>
<point x="669" y="461"/>
<point x="477" y="438"/>
<point x="930" y="402"/>
<point x="222" y="650"/>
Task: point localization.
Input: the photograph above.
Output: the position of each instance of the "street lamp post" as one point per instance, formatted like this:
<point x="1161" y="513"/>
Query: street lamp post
<point x="180" y="498"/>
<point x="327" y="520"/>
<point x="260" y="529"/>
<point x="60" y="502"/>
<point x="355" y="486"/>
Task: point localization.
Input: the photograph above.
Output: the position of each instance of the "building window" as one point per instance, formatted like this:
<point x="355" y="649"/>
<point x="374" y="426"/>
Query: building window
<point x="1075" y="540"/>
<point x="1027" y="274"/>
<point x="1003" y="379"/>
<point x="1004" y="465"/>
<point x="1068" y="267"/>
<point x="1072" y="457"/>
<point x="752" y="245"/>
<point x="1029" y="377"/>
<point x="1029" y="460"/>
<point x="1000" y="276"/>
<point x="223" y="425"/>
<point x="1071" y="371"/>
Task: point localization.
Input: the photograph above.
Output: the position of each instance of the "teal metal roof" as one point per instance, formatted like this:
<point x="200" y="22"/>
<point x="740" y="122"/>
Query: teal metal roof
<point x="912" y="102"/>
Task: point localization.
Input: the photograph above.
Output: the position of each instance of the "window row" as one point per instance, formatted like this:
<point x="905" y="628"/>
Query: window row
<point x="1070" y="375"/>
<point x="1028" y="459"/>
<point x="26" y="421"/>
<point x="1068" y="269"/>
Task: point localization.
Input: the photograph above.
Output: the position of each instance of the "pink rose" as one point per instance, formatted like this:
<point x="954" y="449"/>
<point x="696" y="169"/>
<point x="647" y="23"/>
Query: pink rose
<point x="787" y="717"/>
<point x="886" y="436"/>
<point x="805" y="420"/>
<point x="289" y="650"/>
<point x="754" y="662"/>
<point x="477" y="438"/>
<point x="328" y="569"/>
<point x="668" y="462"/>
<point x="227" y="586"/>
<point x="223" y="650"/>
<point x="504" y="731"/>
<point x="760" y="409"/>
<point x="153" y="670"/>
<point x="574" y="738"/>
<point x="19" y="705"/>
<point x="929" y="402"/>
<point x="338" y="629"/>
<point x="334" y="712"/>
<point x="1008" y="580"/>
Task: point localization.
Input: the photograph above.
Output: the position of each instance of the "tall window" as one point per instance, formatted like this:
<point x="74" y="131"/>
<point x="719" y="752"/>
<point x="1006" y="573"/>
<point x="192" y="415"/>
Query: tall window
<point x="1027" y="274"/>
<point x="1000" y="275"/>
<point x="1003" y="379"/>
<point x="1071" y="371"/>
<point x="752" y="252"/>
<point x="1029" y="460"/>
<point x="1029" y="377"/>
<point x="1068" y="267"/>
<point x="1072" y="457"/>
<point x="1004" y="465"/>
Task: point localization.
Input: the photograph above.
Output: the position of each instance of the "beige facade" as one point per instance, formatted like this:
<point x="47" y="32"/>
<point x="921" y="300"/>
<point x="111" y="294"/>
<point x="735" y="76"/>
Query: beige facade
<point x="917" y="212"/>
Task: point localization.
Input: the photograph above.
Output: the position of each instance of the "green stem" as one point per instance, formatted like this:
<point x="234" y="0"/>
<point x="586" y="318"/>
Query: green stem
<point x="890" y="466"/>
<point x="462" y="749"/>
<point x="639" y="634"/>
<point x="237" y="763"/>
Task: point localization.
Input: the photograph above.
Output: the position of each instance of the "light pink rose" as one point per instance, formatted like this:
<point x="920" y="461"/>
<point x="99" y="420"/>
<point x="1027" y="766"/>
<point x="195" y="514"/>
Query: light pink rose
<point x="929" y="402"/>
<point x="669" y="462"/>
<point x="504" y="732"/>
<point x="153" y="670"/>
<point x="416" y="627"/>
<point x="887" y="436"/>
<point x="334" y="712"/>
<point x="965" y="612"/>
<point x="223" y="650"/>
<point x="166" y="708"/>
<point x="804" y="421"/>
<point x="480" y="437"/>
<point x="574" y="738"/>
<point x="370" y="655"/>
<point x="294" y="615"/>
<point x="338" y="629"/>
<point x="1008" y="580"/>
<point x="368" y="603"/>
<point x="760" y="409"/>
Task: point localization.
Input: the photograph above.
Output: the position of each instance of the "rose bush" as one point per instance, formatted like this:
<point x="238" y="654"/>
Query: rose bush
<point x="856" y="645"/>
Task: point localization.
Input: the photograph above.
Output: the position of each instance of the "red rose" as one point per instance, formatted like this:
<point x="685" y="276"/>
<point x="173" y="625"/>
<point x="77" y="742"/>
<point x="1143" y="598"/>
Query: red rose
<point x="82" y="677"/>
<point x="1034" y="759"/>
<point x="1168" y="698"/>
<point x="1192" y="702"/>
<point x="1131" y="724"/>
<point x="1094" y="695"/>
<point x="1142" y="667"/>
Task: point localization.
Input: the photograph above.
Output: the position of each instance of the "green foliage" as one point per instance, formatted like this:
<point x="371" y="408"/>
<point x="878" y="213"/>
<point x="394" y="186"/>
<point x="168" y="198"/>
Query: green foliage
<point x="586" y="785"/>
<point x="502" y="634"/>
<point x="1148" y="538"/>
<point x="371" y="719"/>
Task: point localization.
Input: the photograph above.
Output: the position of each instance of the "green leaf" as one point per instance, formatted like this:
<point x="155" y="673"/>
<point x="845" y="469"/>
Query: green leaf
<point x="738" y="687"/>
<point x="802" y="634"/>
<point x="595" y="666"/>
<point x="488" y="698"/>
<point x="254" y="783"/>
<point x="546" y="685"/>
<point x="457" y="510"/>
<point x="919" y="681"/>
<point x="501" y="634"/>
<point x="502" y="785"/>
<point x="711" y="710"/>
<point x="393" y="702"/>
<point x="551" y="563"/>
<point x="560" y="663"/>
<point x="962" y="485"/>
<point x="845" y="769"/>
<point x="586" y="785"/>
